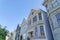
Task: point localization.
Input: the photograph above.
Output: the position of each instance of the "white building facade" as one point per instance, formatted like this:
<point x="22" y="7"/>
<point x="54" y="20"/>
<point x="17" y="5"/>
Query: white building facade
<point x="11" y="36"/>
<point x="7" y="37"/>
<point x="23" y="32"/>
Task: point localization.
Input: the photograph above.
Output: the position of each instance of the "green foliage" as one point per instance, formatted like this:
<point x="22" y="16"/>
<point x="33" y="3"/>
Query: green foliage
<point x="1" y="39"/>
<point x="3" y="33"/>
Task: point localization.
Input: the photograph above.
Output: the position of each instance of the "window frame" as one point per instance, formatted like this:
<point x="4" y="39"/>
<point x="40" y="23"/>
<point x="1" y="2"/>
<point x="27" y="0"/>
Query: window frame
<point x="36" y="31"/>
<point x="29" y="22"/>
<point x="34" y="19"/>
<point x="40" y="16"/>
<point x="42" y="33"/>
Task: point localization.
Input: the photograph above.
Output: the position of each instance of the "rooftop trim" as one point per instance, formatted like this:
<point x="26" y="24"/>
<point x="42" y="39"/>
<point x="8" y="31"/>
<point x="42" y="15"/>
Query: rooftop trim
<point x="44" y="1"/>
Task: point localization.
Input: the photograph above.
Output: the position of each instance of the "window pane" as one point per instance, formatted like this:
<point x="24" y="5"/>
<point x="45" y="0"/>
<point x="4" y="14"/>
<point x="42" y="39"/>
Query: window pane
<point x="58" y="18"/>
<point x="32" y="13"/>
<point x="42" y="31"/>
<point x="35" y="19"/>
<point x="29" y="22"/>
<point x="58" y="22"/>
<point x="40" y="17"/>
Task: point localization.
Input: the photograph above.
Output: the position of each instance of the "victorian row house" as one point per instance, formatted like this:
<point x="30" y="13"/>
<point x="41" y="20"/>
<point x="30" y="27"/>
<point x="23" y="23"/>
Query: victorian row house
<point x="38" y="25"/>
<point x="53" y="11"/>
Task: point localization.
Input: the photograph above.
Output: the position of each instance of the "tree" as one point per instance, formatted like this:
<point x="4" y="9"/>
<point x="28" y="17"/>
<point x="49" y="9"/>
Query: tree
<point x="3" y="33"/>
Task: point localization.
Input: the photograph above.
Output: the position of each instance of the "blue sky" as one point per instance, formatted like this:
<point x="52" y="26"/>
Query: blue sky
<point x="12" y="12"/>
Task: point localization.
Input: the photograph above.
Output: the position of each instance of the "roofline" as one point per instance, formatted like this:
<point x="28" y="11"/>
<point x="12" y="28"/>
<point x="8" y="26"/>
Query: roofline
<point x="44" y="2"/>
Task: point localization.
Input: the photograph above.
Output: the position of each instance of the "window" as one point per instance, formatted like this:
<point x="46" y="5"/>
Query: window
<point x="36" y="31"/>
<point x="50" y="6"/>
<point x="40" y="17"/>
<point x="35" y="19"/>
<point x="32" y="13"/>
<point x="46" y="6"/>
<point x="47" y="9"/>
<point x="42" y="31"/>
<point x="29" y="22"/>
<point x="58" y="2"/>
<point x="58" y="18"/>
<point x="54" y="3"/>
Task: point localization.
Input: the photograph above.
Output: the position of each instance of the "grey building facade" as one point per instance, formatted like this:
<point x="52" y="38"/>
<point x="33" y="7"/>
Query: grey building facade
<point x="38" y="25"/>
<point x="53" y="11"/>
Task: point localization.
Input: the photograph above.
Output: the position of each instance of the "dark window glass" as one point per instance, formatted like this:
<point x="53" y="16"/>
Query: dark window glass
<point x="46" y="6"/>
<point x="32" y="13"/>
<point x="29" y="22"/>
<point x="35" y="19"/>
<point x="58" y="18"/>
<point x="40" y="17"/>
<point x="42" y="31"/>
